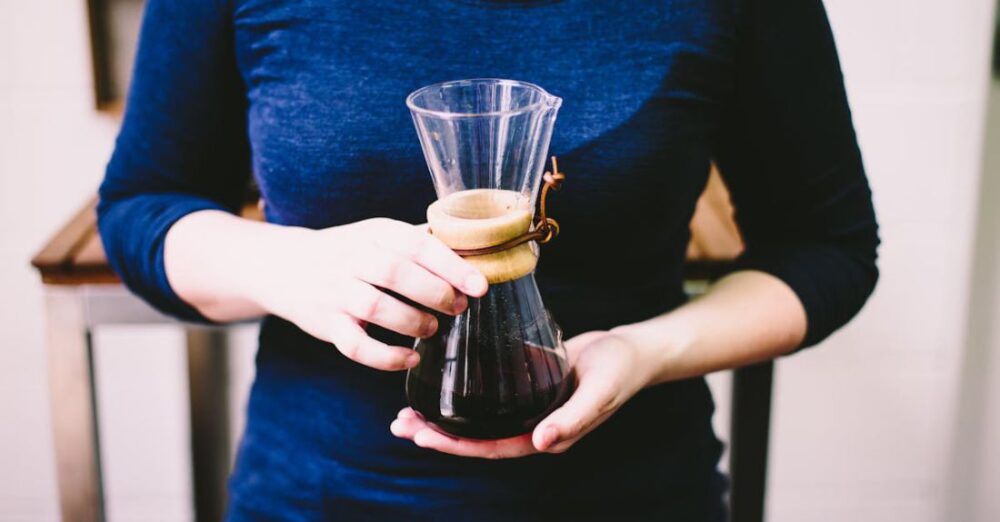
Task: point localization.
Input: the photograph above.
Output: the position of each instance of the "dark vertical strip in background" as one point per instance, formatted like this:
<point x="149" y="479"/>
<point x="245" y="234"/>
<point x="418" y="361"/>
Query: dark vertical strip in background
<point x="996" y="44"/>
<point x="208" y="383"/>
<point x="97" y="14"/>
<point x="101" y="501"/>
<point x="751" y="425"/>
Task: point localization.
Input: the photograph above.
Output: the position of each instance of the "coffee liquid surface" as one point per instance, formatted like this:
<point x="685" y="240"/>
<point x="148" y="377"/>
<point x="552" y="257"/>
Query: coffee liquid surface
<point x="495" y="399"/>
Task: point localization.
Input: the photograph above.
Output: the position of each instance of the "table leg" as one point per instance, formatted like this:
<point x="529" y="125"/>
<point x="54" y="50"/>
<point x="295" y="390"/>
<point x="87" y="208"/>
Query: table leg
<point x="74" y="407"/>
<point x="208" y="382"/>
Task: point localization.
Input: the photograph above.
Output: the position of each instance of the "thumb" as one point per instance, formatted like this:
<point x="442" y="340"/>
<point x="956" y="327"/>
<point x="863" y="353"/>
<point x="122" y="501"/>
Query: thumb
<point x="591" y="401"/>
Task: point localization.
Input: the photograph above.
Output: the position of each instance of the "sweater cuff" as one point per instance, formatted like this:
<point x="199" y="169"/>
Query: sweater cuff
<point x="831" y="282"/>
<point x="134" y="233"/>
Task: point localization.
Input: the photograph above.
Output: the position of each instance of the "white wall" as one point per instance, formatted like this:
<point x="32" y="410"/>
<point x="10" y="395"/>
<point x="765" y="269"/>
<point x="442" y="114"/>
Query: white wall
<point x="51" y="149"/>
<point x="863" y="424"/>
<point x="974" y="478"/>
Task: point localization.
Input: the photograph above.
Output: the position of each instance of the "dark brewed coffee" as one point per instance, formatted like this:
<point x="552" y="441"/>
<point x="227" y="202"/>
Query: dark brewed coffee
<point x="492" y="391"/>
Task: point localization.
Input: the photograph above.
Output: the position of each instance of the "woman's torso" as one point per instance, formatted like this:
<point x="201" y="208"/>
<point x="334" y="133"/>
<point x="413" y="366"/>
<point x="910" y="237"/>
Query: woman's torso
<point x="643" y="85"/>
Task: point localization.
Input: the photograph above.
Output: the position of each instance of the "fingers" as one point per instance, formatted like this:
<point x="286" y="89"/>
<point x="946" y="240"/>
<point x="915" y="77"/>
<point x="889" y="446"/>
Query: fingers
<point x="606" y="380"/>
<point x="409" y="425"/>
<point x="366" y="303"/>
<point x="435" y="256"/>
<point x="513" y="447"/>
<point x="591" y="403"/>
<point x="351" y="340"/>
<point x="413" y="281"/>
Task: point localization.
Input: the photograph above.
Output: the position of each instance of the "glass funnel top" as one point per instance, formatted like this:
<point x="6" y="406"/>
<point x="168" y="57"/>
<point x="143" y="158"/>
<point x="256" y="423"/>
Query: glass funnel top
<point x="485" y="134"/>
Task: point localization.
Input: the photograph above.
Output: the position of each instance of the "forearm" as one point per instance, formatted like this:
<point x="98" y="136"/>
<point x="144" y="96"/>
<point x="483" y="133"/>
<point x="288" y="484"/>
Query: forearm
<point x="214" y="261"/>
<point x="746" y="317"/>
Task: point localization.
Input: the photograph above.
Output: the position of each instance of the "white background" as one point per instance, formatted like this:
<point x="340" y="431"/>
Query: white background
<point x="865" y="426"/>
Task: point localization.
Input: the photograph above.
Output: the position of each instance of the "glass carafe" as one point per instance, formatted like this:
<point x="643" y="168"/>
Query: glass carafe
<point x="498" y="368"/>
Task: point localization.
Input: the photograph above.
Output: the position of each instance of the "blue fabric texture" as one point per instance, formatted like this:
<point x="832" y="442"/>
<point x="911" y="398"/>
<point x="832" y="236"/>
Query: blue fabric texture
<point x="308" y="97"/>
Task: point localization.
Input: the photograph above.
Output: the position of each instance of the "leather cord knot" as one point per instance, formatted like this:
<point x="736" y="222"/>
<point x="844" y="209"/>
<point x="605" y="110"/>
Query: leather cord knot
<point x="544" y="229"/>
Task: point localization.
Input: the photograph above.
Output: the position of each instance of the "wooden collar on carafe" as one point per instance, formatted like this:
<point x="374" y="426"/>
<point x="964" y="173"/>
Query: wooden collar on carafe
<point x="492" y="228"/>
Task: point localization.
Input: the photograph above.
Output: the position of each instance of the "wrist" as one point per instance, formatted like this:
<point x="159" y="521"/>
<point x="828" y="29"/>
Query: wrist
<point x="662" y="348"/>
<point x="274" y="255"/>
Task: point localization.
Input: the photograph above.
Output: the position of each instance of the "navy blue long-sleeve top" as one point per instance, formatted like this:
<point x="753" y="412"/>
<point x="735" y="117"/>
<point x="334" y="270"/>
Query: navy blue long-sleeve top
<point x="307" y="96"/>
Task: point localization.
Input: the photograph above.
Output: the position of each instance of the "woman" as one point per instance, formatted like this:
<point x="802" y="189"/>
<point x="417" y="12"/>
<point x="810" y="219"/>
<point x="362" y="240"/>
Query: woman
<point x="308" y="96"/>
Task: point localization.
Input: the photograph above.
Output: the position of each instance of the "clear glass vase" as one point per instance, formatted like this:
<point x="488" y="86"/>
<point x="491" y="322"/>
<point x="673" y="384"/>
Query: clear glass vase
<point x="498" y="368"/>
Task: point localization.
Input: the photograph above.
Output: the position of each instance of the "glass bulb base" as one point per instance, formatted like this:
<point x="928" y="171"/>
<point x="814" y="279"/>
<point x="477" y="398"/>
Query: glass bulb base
<point x="494" y="371"/>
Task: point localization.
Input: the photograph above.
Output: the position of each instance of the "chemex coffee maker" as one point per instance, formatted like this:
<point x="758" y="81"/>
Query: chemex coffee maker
<point x="500" y="367"/>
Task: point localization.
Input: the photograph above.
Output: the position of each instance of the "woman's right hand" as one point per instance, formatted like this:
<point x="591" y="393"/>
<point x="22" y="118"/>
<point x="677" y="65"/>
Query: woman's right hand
<point x="332" y="282"/>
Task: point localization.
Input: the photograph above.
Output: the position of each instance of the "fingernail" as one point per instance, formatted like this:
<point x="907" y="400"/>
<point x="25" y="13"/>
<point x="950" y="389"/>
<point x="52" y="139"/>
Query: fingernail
<point x="549" y="436"/>
<point x="475" y="284"/>
<point x="460" y="304"/>
<point x="412" y="360"/>
<point x="429" y="327"/>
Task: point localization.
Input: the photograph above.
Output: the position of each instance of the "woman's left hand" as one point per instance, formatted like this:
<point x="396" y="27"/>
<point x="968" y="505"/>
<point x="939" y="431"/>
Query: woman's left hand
<point x="609" y="371"/>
